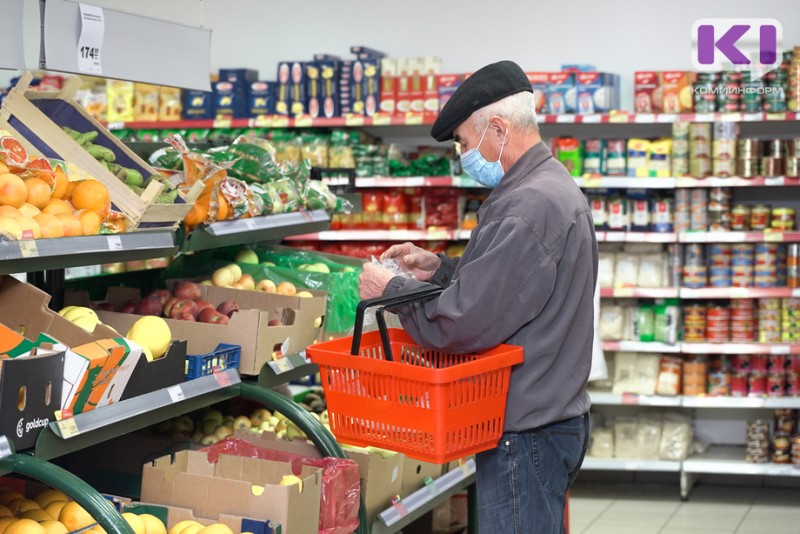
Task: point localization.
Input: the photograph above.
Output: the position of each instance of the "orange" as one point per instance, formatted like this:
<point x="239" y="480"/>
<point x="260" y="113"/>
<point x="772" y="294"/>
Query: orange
<point x="4" y="168"/>
<point x="54" y="527"/>
<point x="61" y="184"/>
<point x="12" y="190"/>
<point x="50" y="225"/>
<point x="75" y="517"/>
<point x="91" y="195"/>
<point x="152" y="524"/>
<point x="10" y="229"/>
<point x="90" y="222"/>
<point x="37" y="515"/>
<point x="38" y="192"/>
<point x="7" y="496"/>
<point x="70" y="189"/>
<point x="49" y="495"/>
<point x="224" y="209"/>
<point x="25" y="526"/>
<point x="72" y="225"/>
<point x="198" y="214"/>
<point x="56" y="206"/>
<point x="5" y="512"/>
<point x="9" y="211"/>
<point x="23" y="505"/>
<point x="5" y="522"/>
<point x="14" y="151"/>
<point x="28" y="224"/>
<point x="54" y="508"/>
<point x="29" y="210"/>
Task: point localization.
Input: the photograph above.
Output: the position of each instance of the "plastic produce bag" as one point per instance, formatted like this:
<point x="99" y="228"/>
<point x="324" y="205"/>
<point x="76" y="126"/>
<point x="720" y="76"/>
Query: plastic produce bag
<point x="340" y="488"/>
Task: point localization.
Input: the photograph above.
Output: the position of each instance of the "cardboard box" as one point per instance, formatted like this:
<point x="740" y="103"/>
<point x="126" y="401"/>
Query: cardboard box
<point x="539" y="82"/>
<point x="414" y="474"/>
<point x="430" y="87"/>
<point x="676" y="92"/>
<point x="416" y="92"/>
<point x="244" y="487"/>
<point x="170" y="107"/>
<point x="238" y="76"/>
<point x="283" y="89"/>
<point x="647" y="92"/>
<point x="145" y="102"/>
<point x="35" y="118"/>
<point x="197" y="104"/>
<point x="120" y="97"/>
<point x="230" y="100"/>
<point x="561" y="93"/>
<point x="236" y="523"/>
<point x="596" y="92"/>
<point x="261" y="99"/>
<point x="298" y="96"/>
<point x="313" y="90"/>
<point x="381" y="478"/>
<point x="329" y="84"/>
<point x="90" y="370"/>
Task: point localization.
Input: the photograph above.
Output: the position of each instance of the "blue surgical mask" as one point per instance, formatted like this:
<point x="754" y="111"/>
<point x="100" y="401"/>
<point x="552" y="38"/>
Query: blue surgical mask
<point x="486" y="173"/>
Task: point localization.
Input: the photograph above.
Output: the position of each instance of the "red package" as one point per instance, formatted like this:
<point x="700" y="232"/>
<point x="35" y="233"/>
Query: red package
<point x="441" y="208"/>
<point x="372" y="210"/>
<point x="341" y="488"/>
<point x="395" y="211"/>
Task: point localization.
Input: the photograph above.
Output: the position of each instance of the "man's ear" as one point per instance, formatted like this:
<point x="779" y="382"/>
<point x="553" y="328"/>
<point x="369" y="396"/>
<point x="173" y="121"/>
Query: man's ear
<point x="499" y="126"/>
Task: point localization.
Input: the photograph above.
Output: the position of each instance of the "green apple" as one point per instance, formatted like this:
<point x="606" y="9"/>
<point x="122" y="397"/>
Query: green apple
<point x="318" y="268"/>
<point x="268" y="264"/>
<point x="247" y="255"/>
<point x="348" y="269"/>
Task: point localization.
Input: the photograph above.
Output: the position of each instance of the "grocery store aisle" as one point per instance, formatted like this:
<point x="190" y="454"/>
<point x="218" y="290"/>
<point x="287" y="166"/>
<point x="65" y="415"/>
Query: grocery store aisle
<point x="606" y="508"/>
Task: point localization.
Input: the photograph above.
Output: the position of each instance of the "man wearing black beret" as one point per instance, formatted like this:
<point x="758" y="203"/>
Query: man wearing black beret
<point x="526" y="278"/>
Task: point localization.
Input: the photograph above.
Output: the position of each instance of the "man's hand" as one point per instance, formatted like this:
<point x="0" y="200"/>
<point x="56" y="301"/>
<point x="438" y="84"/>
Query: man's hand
<point x="420" y="262"/>
<point x="373" y="280"/>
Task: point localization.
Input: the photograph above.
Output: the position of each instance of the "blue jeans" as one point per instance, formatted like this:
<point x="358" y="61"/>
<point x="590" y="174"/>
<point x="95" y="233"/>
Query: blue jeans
<point x="522" y="484"/>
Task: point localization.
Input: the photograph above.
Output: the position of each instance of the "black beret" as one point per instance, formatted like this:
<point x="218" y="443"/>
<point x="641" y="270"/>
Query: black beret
<point x="489" y="84"/>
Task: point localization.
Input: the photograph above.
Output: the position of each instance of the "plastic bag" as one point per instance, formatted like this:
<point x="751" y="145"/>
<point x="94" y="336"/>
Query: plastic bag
<point x="340" y="489"/>
<point x="317" y="196"/>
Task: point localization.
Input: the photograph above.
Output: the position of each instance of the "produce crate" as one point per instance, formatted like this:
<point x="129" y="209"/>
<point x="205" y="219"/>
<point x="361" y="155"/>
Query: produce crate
<point x="37" y="117"/>
<point x="225" y="356"/>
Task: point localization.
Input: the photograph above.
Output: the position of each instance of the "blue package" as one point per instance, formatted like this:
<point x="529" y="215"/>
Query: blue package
<point x="298" y="98"/>
<point x="240" y="76"/>
<point x="329" y="86"/>
<point x="197" y="104"/>
<point x="367" y="52"/>
<point x="561" y="93"/>
<point x="283" y="88"/>
<point x="595" y="92"/>
<point x="229" y="100"/>
<point x="261" y="99"/>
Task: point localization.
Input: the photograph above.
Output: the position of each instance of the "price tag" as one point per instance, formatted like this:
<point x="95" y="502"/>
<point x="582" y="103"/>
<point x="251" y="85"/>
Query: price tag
<point x="116" y="125"/>
<point x="438" y="234"/>
<point x="780" y="349"/>
<point x="222" y="379"/>
<point x="68" y="428"/>
<point x="28" y="248"/>
<point x="592" y="182"/>
<point x="773" y="236"/>
<point x="90" y="42"/>
<point x="644" y="118"/>
<point x="176" y="394"/>
<point x="223" y="123"/>
<point x="114" y="242"/>
<point x="414" y="181"/>
<point x="739" y="292"/>
<point x="665" y="118"/>
<point x="382" y="120"/>
<point x="731" y="117"/>
<point x="303" y="122"/>
<point x="630" y="398"/>
<point x="413" y="119"/>
<point x="431" y="485"/>
<point x="565" y="119"/>
<point x="618" y="117"/>
<point x="592" y="119"/>
<point x="263" y="121"/>
<point x="283" y="365"/>
<point x="752" y="117"/>
<point x="774" y="180"/>
<point x="795" y="293"/>
<point x="704" y="117"/>
<point x="399" y="506"/>
<point x="623" y="292"/>
<point x="776" y="116"/>
<point x="685" y="182"/>
<point x="354" y="120"/>
<point x="280" y="122"/>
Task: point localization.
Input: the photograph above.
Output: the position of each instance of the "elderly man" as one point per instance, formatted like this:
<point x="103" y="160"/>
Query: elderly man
<point x="526" y="278"/>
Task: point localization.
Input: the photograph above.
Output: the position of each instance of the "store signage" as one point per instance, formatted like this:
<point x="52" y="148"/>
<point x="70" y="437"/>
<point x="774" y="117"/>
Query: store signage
<point x="753" y="45"/>
<point x="90" y="42"/>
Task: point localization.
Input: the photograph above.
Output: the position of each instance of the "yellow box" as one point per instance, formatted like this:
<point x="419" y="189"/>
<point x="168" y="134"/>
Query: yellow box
<point x="120" y="96"/>
<point x="171" y="107"/>
<point x="145" y="102"/>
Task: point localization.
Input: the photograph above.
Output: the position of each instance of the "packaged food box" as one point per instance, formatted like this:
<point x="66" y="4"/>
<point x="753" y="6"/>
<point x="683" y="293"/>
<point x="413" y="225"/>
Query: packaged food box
<point x="561" y="93"/>
<point x="329" y="84"/>
<point x="539" y="82"/>
<point x="238" y="76"/>
<point x="120" y="95"/>
<point x="446" y="85"/>
<point x="676" y="91"/>
<point x="197" y="104"/>
<point x="298" y="98"/>
<point x="282" y="89"/>
<point x="145" y="102"/>
<point x="388" y="102"/>
<point x="170" y="106"/>
<point x="647" y="92"/>
<point x="229" y="100"/>
<point x="261" y="99"/>
<point x="596" y="92"/>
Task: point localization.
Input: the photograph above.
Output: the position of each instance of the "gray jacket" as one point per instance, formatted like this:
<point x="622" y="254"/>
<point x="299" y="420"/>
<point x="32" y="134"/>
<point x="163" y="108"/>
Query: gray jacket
<point x="526" y="278"/>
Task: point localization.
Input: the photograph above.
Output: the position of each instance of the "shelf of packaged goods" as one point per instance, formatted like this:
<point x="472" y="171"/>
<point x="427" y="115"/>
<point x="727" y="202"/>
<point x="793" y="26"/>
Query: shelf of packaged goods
<point x="591" y="463"/>
<point x="640" y="292"/>
<point x="739" y="237"/>
<point x="636" y="237"/>
<point x="409" y="119"/>
<point x="771" y="403"/>
<point x="632" y="399"/>
<point x="58" y="253"/>
<point x="739" y="293"/>
<point x="255" y="229"/>
<point x="406" y="181"/>
<point x="622" y="182"/>
<point x="735" y="181"/>
<point x="640" y="346"/>
<point x="740" y="348"/>
<point x="726" y="460"/>
<point x="382" y="235"/>
<point x="623" y="117"/>
<point x="101" y="424"/>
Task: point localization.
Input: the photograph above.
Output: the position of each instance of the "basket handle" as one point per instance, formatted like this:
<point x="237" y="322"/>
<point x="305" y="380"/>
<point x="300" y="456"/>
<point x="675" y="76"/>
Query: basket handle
<point x="405" y="297"/>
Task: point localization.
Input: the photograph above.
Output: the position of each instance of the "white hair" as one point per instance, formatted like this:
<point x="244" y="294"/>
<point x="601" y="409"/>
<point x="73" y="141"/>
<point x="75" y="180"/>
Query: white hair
<point x="518" y="109"/>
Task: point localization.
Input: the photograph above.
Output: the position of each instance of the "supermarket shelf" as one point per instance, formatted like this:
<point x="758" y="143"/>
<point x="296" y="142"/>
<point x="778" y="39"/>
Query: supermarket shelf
<point x="58" y="253"/>
<point x="640" y="292"/>
<point x="738" y="237"/>
<point x="591" y="463"/>
<point x="740" y="348"/>
<point x="734" y="181"/>
<point x="622" y="182"/>
<point x="252" y="230"/>
<point x="96" y="426"/>
<point x="640" y="346"/>
<point x="738" y="293"/>
<point x="422" y="501"/>
<point x="622" y="117"/>
<point x="383" y="235"/>
<point x="407" y="181"/>
<point x="730" y="461"/>
<point x="632" y="399"/>
<point x="636" y="237"/>
<point x="741" y="402"/>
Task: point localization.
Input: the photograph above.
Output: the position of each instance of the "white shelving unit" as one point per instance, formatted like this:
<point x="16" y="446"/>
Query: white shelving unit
<point x="591" y="463"/>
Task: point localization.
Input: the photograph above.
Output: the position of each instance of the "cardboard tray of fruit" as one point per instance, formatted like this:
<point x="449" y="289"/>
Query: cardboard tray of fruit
<point x="38" y="119"/>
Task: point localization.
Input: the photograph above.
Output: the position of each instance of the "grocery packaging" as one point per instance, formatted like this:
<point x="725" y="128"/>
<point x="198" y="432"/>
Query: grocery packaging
<point x="647" y="92"/>
<point x="120" y="96"/>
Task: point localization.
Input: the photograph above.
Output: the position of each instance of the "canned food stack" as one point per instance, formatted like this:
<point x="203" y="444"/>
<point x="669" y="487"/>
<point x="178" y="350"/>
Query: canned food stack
<point x="694" y="323"/>
<point x="719" y="209"/>
<point x="700" y="149"/>
<point x="744" y="320"/>
<point x="680" y="149"/>
<point x="740" y="218"/>
<point x="793" y="157"/>
<point x="793" y="265"/>
<point x="720" y="271"/>
<point x="773" y="159"/>
<point x="775" y="83"/>
<point x="796" y="451"/>
<point x="753" y="98"/>
<point x="766" y="268"/>
<point x="698" y="210"/>
<point x="724" y="148"/>
<point x="784" y="429"/>
<point x="729" y="93"/>
<point x="675" y="253"/>
<point x="704" y="86"/>
<point x="781" y="448"/>
<point x="682" y="210"/>
<point x="769" y="320"/>
<point x="694" y="377"/>
<point x="793" y="82"/>
<point x="757" y="446"/>
<point x="790" y="320"/>
<point x="748" y="158"/>
<point x="718" y="324"/>
<point x="742" y="264"/>
<point x="695" y="269"/>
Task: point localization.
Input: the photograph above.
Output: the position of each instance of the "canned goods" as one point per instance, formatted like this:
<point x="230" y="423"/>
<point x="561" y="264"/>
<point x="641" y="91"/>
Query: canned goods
<point x="749" y="148"/>
<point x="776" y="385"/>
<point x="757" y="442"/>
<point x="723" y="168"/>
<point x="599" y="206"/>
<point x="640" y="215"/>
<point x="661" y="215"/>
<point x="793" y="363"/>
<point x="756" y="384"/>
<point x="615" y="157"/>
<point x="760" y="217"/>
<point x="739" y="385"/>
<point x="748" y="168"/>
<point x="704" y="99"/>
<point x="781" y="448"/>
<point x="774" y="148"/>
<point x="785" y="421"/>
<point x="796" y="451"/>
<point x="793" y="384"/>
<point x="618" y="215"/>
<point x="740" y="217"/>
<point x="793" y="166"/>
<point x="698" y="218"/>
<point x="782" y="218"/>
<point x="752" y="99"/>
<point x="772" y="166"/>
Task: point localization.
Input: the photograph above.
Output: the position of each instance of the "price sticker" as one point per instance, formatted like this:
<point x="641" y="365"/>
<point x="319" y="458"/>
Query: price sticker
<point x="623" y="292"/>
<point x="630" y="398"/>
<point x="795" y="293"/>
<point x="303" y="122"/>
<point x="594" y="118"/>
<point x="465" y="468"/>
<point x="731" y="117"/>
<point x="645" y="118"/>
<point x="565" y="118"/>
<point x="618" y="117"/>
<point x="283" y="365"/>
<point x="382" y="120"/>
<point x="68" y="428"/>
<point x="665" y="118"/>
<point x="28" y="248"/>
<point x="776" y="116"/>
<point x="774" y="180"/>
<point x="90" y="42"/>
<point x="438" y="234"/>
<point x="176" y="394"/>
<point x="592" y="182"/>
<point x="222" y="379"/>
<point x="263" y="121"/>
<point x="704" y="117"/>
<point x="773" y="236"/>
<point x="223" y="123"/>
<point x="399" y="506"/>
<point x="413" y="119"/>
<point x="354" y="120"/>
<point x="280" y="122"/>
<point x="752" y="117"/>
<point x="780" y="349"/>
<point x="685" y="182"/>
<point x="739" y="292"/>
<point x="114" y="242"/>
<point x="116" y="125"/>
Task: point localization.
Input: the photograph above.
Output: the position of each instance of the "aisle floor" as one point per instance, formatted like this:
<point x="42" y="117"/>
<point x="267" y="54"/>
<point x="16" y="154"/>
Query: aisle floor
<point x="615" y="508"/>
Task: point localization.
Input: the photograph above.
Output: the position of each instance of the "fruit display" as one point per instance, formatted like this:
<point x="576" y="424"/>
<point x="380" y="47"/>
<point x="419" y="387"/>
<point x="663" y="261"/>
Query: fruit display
<point x="130" y="177"/>
<point x="231" y="276"/>
<point x="82" y="316"/>
<point x="42" y="198"/>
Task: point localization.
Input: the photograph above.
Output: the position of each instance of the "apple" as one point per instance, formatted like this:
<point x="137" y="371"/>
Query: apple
<point x="223" y="432"/>
<point x="168" y="305"/>
<point x="196" y="437"/>
<point x="286" y="288"/>
<point x="236" y="285"/>
<point x="213" y="415"/>
<point x="186" y="316"/>
<point x="273" y="419"/>
<point x="236" y="270"/>
<point x="259" y="416"/>
<point x="184" y="423"/>
<point x="247" y="282"/>
<point x="266" y="285"/>
<point x="182" y="307"/>
<point x="162" y="294"/>
<point x="206" y="315"/>
<point x="106" y="306"/>
<point x="247" y="255"/>
<point x="218" y="319"/>
<point x="228" y="420"/>
<point x="149" y="306"/>
<point x="304" y="294"/>
<point x="282" y="424"/>
<point x="129" y="307"/>
<point x="206" y="283"/>
<point x="223" y="277"/>
<point x="209" y="439"/>
<point x="228" y="307"/>
<point x="242" y="423"/>
<point x="187" y="290"/>
<point x="210" y="426"/>
<point x="202" y="305"/>
<point x="266" y="427"/>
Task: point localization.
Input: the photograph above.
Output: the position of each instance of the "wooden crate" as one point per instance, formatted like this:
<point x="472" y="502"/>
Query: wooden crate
<point x="36" y="118"/>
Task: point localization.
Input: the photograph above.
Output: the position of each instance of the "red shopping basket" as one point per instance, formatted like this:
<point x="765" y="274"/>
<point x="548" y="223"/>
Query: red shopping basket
<point x="384" y="390"/>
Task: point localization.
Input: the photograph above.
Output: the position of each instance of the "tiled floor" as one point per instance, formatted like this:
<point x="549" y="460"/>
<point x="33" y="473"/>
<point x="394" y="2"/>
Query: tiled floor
<point x="600" y="508"/>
